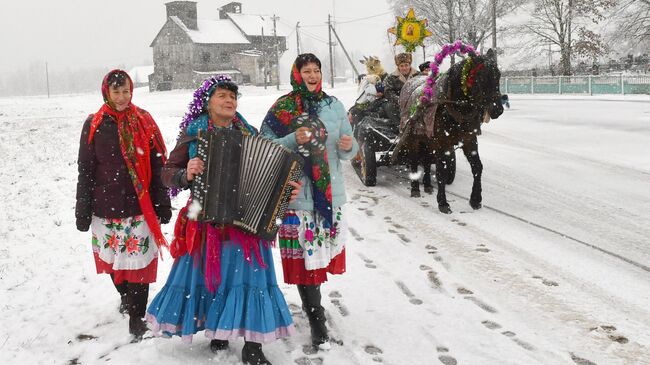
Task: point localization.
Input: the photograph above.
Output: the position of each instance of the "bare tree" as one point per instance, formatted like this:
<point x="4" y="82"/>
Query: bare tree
<point x="570" y="26"/>
<point x="633" y="20"/>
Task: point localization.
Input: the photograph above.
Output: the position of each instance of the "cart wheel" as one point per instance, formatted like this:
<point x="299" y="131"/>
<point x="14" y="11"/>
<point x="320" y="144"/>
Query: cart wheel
<point x="368" y="168"/>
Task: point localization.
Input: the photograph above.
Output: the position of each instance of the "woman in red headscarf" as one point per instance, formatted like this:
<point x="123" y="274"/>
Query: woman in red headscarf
<point x="120" y="194"/>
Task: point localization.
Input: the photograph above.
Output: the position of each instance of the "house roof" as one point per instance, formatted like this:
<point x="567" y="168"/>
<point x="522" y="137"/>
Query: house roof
<point x="140" y="74"/>
<point x="213" y="32"/>
<point x="252" y="25"/>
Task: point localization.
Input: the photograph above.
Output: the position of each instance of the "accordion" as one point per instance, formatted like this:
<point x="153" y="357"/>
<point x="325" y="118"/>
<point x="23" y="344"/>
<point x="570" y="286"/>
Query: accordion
<point x="245" y="181"/>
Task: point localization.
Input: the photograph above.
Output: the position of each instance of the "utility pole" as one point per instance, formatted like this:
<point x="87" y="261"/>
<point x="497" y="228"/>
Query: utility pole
<point x="298" y="38"/>
<point x="329" y="28"/>
<point x="345" y="52"/>
<point x="47" y="80"/>
<point x="265" y="58"/>
<point x="569" y="45"/>
<point x="450" y="19"/>
<point x="277" y="57"/>
<point x="494" y="28"/>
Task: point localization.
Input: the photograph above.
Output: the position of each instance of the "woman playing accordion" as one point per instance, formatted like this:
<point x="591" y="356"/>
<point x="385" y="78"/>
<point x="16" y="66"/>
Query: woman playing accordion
<point x="222" y="280"/>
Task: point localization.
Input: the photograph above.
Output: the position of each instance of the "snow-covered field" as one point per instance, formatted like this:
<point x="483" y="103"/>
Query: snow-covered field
<point x="555" y="269"/>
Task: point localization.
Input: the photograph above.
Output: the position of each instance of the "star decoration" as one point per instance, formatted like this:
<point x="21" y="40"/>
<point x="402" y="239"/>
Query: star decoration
<point x="410" y="31"/>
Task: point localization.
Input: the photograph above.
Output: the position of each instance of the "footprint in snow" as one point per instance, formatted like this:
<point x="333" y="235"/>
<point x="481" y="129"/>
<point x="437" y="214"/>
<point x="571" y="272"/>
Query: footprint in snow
<point x="409" y="294"/>
<point x="444" y="358"/>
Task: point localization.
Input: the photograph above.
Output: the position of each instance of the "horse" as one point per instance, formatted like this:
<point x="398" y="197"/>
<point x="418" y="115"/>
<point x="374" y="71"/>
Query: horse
<point x="467" y="95"/>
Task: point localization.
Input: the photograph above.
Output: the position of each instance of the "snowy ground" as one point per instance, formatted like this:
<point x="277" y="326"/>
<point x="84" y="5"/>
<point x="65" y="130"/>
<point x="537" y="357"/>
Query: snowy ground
<point x="554" y="270"/>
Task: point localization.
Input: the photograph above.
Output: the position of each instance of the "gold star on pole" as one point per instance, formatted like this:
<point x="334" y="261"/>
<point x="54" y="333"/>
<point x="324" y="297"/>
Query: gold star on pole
<point x="410" y="32"/>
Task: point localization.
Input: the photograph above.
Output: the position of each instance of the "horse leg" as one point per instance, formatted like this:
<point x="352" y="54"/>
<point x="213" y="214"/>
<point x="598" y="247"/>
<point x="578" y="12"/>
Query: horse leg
<point x="470" y="148"/>
<point x="415" y="180"/>
<point x="441" y="177"/>
<point x="413" y="163"/>
<point x="426" y="161"/>
<point x="428" y="187"/>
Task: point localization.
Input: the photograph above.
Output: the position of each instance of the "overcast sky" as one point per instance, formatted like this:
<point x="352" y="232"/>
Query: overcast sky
<point x="89" y="33"/>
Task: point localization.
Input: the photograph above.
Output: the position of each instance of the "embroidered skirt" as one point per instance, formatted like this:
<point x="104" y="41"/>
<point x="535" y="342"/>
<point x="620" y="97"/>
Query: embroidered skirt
<point x="248" y="302"/>
<point x="126" y="248"/>
<point x="311" y="248"/>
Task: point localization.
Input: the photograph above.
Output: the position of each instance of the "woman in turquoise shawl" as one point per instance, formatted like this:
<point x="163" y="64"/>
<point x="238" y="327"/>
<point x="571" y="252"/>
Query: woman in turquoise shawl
<point x="313" y="234"/>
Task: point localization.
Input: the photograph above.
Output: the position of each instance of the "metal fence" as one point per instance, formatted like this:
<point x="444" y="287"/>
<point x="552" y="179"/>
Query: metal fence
<point x="590" y="85"/>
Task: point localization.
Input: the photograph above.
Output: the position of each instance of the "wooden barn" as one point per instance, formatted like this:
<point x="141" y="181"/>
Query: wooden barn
<point x="188" y="49"/>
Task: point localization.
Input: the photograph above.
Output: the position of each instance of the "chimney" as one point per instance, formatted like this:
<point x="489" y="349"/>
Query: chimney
<point x="233" y="7"/>
<point x="185" y="11"/>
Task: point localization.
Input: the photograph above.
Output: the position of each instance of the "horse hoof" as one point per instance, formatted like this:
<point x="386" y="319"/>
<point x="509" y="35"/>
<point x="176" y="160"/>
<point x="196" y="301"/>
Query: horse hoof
<point x="428" y="189"/>
<point x="415" y="193"/>
<point x="476" y="206"/>
<point x="444" y="209"/>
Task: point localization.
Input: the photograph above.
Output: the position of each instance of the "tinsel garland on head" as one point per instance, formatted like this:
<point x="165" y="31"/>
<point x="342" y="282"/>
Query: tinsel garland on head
<point x="199" y="106"/>
<point x="200" y="99"/>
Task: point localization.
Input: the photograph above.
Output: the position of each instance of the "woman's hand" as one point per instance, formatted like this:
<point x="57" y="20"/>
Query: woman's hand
<point x="303" y="135"/>
<point x="345" y="143"/>
<point x="296" y="190"/>
<point x="194" y="167"/>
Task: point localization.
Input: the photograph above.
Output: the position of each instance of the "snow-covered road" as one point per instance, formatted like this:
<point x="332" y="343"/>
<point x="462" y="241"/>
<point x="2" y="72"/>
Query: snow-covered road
<point x="553" y="270"/>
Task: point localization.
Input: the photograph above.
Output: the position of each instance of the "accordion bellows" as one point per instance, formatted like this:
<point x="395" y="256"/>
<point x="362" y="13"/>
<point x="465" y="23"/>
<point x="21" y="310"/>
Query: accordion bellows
<point x="245" y="182"/>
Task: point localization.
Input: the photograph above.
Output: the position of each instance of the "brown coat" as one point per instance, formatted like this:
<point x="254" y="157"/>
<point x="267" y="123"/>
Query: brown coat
<point x="104" y="188"/>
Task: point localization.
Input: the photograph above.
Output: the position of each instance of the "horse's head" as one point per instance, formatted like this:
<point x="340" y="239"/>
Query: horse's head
<point x="482" y="83"/>
<point x="479" y="78"/>
<point x="373" y="65"/>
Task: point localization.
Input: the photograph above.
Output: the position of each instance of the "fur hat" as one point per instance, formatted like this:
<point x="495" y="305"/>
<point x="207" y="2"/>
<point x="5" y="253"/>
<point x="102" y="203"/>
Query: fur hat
<point x="403" y="58"/>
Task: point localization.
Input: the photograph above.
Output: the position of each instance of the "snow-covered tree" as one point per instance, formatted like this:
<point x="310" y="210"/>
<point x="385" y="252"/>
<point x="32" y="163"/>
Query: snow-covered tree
<point x="633" y="20"/>
<point x="570" y="25"/>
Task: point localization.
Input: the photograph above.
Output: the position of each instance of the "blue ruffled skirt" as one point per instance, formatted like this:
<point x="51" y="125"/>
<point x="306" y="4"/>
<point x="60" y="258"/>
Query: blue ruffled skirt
<point x="247" y="303"/>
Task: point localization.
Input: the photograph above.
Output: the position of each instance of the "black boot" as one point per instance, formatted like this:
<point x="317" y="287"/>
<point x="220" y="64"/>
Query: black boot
<point x="218" y="345"/>
<point x="136" y="297"/>
<point x="251" y="354"/>
<point x="311" y="297"/>
<point x="122" y="289"/>
<point x="137" y="327"/>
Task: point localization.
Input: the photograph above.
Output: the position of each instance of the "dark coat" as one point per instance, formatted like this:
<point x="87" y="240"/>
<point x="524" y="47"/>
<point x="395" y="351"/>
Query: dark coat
<point x="174" y="173"/>
<point x="104" y="188"/>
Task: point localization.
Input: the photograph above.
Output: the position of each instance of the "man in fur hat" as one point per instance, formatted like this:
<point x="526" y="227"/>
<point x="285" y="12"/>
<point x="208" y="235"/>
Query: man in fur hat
<point x="394" y="82"/>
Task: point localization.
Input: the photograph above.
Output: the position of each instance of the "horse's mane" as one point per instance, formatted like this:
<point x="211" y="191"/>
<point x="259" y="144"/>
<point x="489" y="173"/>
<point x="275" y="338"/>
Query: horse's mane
<point x="453" y="86"/>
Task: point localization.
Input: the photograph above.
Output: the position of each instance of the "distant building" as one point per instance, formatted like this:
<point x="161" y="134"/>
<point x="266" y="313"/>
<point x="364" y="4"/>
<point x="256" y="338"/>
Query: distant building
<point x="187" y="49"/>
<point x="140" y="75"/>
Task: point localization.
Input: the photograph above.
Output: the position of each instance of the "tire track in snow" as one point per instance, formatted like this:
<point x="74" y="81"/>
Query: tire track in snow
<point x="545" y="228"/>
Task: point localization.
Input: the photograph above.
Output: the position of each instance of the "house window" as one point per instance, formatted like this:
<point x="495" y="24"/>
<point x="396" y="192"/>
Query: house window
<point x="205" y="57"/>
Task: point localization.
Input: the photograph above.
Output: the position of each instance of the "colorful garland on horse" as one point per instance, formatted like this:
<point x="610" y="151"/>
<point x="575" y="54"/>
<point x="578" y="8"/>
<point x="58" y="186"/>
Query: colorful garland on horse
<point x="448" y="49"/>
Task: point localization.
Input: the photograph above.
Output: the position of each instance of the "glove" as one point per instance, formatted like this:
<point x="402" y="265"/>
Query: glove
<point x="83" y="224"/>
<point x="164" y="215"/>
<point x="379" y="86"/>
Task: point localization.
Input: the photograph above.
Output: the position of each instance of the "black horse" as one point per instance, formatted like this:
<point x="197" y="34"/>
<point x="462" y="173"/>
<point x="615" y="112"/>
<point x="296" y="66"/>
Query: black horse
<point x="467" y="95"/>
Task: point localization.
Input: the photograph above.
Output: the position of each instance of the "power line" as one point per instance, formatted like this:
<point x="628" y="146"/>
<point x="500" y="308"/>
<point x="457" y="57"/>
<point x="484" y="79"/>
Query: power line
<point x="346" y="21"/>
<point x="360" y="19"/>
